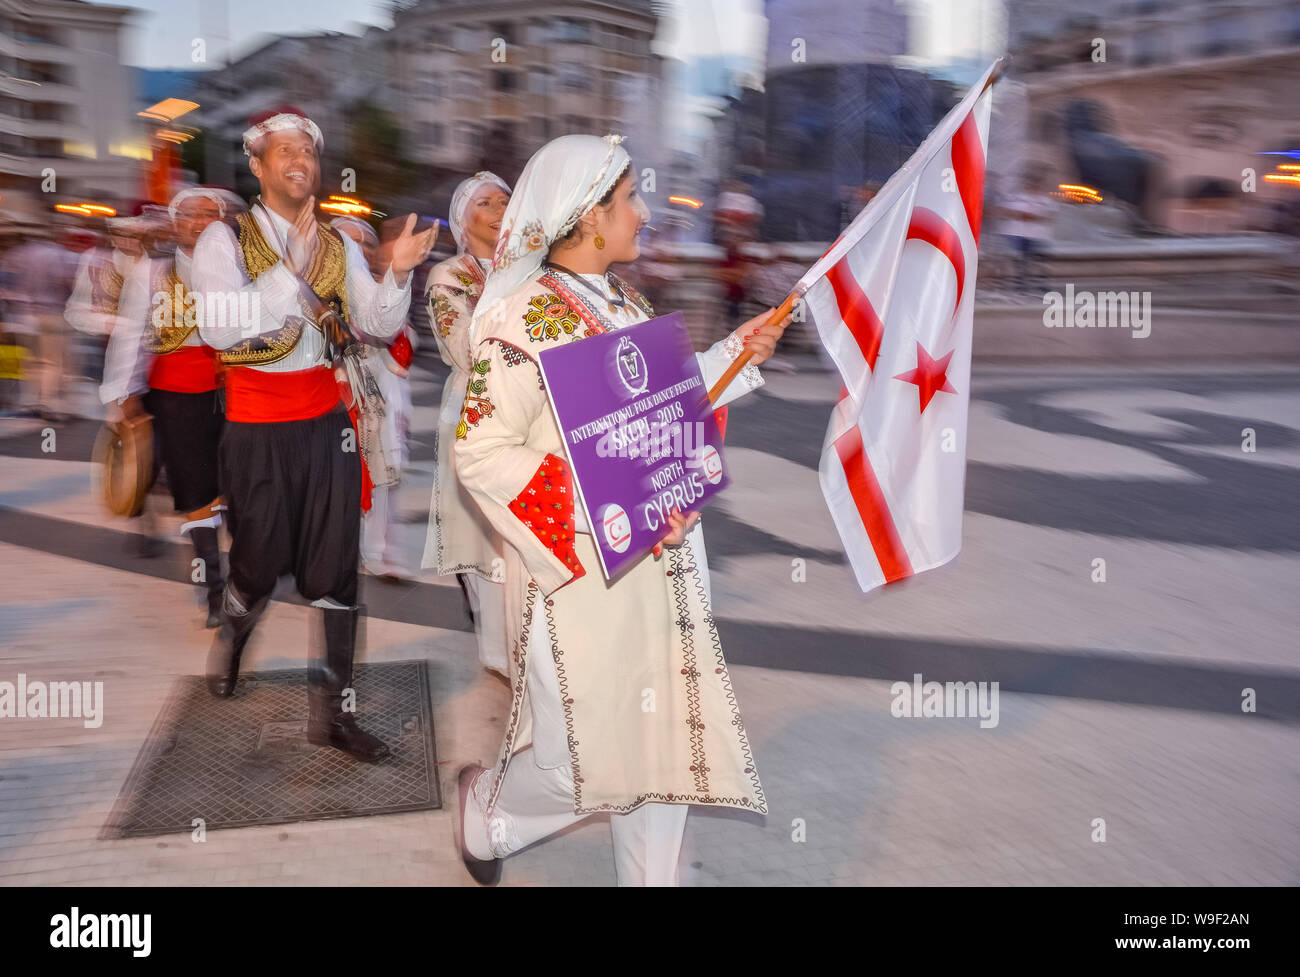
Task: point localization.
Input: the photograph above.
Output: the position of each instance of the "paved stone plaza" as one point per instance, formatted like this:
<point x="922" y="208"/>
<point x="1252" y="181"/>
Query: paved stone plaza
<point x="1119" y="700"/>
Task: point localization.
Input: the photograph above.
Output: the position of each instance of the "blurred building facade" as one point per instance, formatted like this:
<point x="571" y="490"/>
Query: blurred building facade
<point x="489" y="83"/>
<point x="834" y="113"/>
<point x="66" y="102"/>
<point x="1189" y="94"/>
<point x="323" y="74"/>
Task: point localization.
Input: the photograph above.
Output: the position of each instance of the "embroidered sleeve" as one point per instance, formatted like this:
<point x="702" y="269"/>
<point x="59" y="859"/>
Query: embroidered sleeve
<point x="450" y="312"/>
<point x="714" y="362"/>
<point x="545" y="506"/>
<point x="498" y="460"/>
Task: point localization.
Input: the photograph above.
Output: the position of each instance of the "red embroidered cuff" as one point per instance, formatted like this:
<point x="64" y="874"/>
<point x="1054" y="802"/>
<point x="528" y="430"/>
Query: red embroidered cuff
<point x="545" y="506"/>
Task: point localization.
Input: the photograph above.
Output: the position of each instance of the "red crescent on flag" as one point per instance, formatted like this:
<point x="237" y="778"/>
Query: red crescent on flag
<point x="929" y="227"/>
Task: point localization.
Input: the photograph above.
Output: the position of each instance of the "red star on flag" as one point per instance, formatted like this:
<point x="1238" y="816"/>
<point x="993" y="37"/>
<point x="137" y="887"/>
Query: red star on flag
<point x="930" y="375"/>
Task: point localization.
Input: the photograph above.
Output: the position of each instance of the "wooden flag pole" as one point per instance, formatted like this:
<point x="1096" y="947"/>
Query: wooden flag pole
<point x="785" y="307"/>
<point x="739" y="362"/>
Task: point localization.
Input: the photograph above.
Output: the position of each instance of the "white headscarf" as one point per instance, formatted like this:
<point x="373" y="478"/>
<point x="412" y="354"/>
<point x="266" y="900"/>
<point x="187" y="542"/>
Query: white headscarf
<point x="189" y="193"/>
<point x="562" y="182"/>
<point x="460" y="202"/>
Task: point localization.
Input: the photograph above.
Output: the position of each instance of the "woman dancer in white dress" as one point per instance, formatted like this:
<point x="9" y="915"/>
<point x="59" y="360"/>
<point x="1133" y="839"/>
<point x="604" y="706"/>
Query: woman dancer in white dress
<point x="586" y="655"/>
<point x="460" y="540"/>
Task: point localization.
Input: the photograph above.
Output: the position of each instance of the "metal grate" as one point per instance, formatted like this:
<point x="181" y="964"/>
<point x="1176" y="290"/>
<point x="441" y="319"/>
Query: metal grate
<point x="246" y="760"/>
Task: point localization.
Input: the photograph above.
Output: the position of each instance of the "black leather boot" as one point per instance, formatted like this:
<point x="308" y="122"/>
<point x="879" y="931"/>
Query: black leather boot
<point x="207" y="549"/>
<point x="327" y="678"/>
<point x="237" y="620"/>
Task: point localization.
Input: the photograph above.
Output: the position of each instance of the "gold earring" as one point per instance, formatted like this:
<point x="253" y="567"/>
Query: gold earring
<point x="600" y="243"/>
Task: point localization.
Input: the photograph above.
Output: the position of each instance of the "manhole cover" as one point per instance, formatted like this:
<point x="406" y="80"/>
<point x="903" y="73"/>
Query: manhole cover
<point x="246" y="760"/>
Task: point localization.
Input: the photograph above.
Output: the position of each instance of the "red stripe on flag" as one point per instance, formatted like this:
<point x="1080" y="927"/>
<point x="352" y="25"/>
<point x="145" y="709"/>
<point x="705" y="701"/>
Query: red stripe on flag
<point x="929" y="227"/>
<point x="872" y="509"/>
<point x="856" y="311"/>
<point x="968" y="165"/>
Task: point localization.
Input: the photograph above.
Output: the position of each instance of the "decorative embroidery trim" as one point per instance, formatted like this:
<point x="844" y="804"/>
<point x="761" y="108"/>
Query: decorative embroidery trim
<point x="439" y="548"/>
<point x="566" y="700"/>
<point x="441" y="312"/>
<point x="547" y="316"/>
<point x="598" y="186"/>
<point x="733" y="346"/>
<point x="169" y="338"/>
<point x="684" y="563"/>
<point x="545" y="506"/>
<point x="477" y="406"/>
<point x="517" y="699"/>
<point x="327" y="275"/>
<point x="532" y="238"/>
<point x="720" y="669"/>
<point x="596" y="323"/>
<point x="699" y="763"/>
<point x="105" y="286"/>
<point x="513" y="355"/>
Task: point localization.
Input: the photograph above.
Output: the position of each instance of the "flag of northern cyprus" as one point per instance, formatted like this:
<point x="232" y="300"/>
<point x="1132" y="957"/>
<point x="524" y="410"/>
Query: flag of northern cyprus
<point x="893" y="301"/>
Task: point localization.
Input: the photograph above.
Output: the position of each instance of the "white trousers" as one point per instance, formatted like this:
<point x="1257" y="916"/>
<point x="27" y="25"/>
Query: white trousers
<point x="488" y="601"/>
<point x="536" y="802"/>
<point x="536" y="798"/>
<point x="380" y="534"/>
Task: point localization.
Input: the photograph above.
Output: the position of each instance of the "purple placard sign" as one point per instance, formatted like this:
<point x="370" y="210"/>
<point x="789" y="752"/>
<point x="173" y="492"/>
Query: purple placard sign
<point x="640" y="434"/>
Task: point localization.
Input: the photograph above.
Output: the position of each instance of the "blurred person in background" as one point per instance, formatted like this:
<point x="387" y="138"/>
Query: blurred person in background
<point x="12" y="356"/>
<point x="1027" y="225"/>
<point x="102" y="272"/>
<point x="736" y="219"/>
<point x="42" y="278"/>
<point x="381" y="549"/>
<point x="292" y="485"/>
<point x="157" y="363"/>
<point x="460" y="539"/>
<point x="592" y="747"/>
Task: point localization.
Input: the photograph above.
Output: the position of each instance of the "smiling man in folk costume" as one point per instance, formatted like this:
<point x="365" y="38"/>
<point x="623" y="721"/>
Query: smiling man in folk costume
<point x="585" y="654"/>
<point x="157" y="363"/>
<point x="291" y="471"/>
<point x="460" y="539"/>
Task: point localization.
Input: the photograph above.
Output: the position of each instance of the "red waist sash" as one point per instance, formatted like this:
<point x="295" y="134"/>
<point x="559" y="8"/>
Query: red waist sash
<point x="262" y="397"/>
<point x="188" y="370"/>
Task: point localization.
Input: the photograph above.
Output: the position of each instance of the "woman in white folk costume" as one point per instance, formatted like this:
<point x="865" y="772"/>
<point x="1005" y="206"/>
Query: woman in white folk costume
<point x="583" y="652"/>
<point x="390" y="365"/>
<point x="460" y="540"/>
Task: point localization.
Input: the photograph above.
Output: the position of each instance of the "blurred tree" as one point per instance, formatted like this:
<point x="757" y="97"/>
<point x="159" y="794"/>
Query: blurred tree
<point x="375" y="152"/>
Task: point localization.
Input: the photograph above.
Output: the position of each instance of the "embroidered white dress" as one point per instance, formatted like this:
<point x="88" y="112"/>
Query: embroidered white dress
<point x="460" y="539"/>
<point x="587" y="656"/>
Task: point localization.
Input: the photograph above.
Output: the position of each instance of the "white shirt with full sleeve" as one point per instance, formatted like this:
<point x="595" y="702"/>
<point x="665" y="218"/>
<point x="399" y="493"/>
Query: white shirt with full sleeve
<point x="81" y="312"/>
<point x="376" y="309"/>
<point x="127" y="359"/>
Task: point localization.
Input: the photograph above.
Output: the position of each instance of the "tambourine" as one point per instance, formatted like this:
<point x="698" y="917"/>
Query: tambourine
<point x="123" y="456"/>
